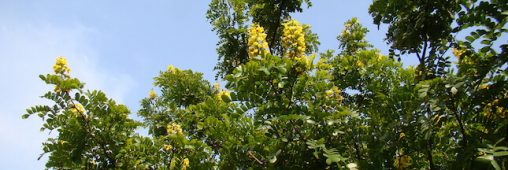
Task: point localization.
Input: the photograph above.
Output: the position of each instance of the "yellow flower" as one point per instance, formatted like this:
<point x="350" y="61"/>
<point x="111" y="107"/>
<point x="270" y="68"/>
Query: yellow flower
<point x="359" y="63"/>
<point x="334" y="92"/>
<point x="168" y="147"/>
<point x="185" y="164"/>
<point x="457" y="53"/>
<point x="329" y="93"/>
<point x="171" y="69"/>
<point x="256" y="42"/>
<point x="293" y="39"/>
<point x="173" y="129"/>
<point x="484" y="86"/>
<point x="402" y="135"/>
<point x="379" y="57"/>
<point x="403" y="162"/>
<point x="60" y="66"/>
<point x="78" y="109"/>
<point x="500" y="111"/>
<point x="152" y="94"/>
<point x="57" y="89"/>
<point x="216" y="86"/>
<point x="224" y="95"/>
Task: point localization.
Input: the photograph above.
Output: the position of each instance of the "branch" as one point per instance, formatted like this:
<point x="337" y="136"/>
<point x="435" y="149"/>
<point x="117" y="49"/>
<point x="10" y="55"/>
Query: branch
<point x="254" y="157"/>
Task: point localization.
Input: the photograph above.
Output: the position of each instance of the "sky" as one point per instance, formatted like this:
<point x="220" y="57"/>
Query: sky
<point x="117" y="47"/>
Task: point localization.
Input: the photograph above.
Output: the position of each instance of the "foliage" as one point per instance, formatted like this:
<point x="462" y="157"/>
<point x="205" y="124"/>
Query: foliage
<point x="285" y="107"/>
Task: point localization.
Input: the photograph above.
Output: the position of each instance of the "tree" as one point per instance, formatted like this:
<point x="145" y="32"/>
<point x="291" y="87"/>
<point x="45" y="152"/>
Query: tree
<point x="453" y="100"/>
<point x="285" y="107"/>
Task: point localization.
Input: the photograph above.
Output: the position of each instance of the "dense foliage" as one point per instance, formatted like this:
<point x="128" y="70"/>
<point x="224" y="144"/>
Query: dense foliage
<point x="285" y="107"/>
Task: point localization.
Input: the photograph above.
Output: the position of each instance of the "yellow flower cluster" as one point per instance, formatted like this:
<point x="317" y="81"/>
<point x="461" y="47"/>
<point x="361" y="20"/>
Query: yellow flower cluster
<point x="78" y="109"/>
<point x="223" y="95"/>
<point x="168" y="147"/>
<point x="334" y="92"/>
<point x="293" y="38"/>
<point x="484" y="86"/>
<point x="57" y="89"/>
<point x="360" y="64"/>
<point x="172" y="69"/>
<point x="495" y="107"/>
<point x="60" y="66"/>
<point x="457" y="53"/>
<point x="216" y="87"/>
<point x="185" y="164"/>
<point x="152" y="94"/>
<point x="257" y="43"/>
<point x="403" y="162"/>
<point x="173" y="129"/>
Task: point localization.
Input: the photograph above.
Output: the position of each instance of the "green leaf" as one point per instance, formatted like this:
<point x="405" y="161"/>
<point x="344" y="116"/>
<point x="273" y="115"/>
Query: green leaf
<point x="502" y="153"/>
<point x="495" y="165"/>
<point x="273" y="159"/>
<point x="470" y="38"/>
<point x="25" y="116"/>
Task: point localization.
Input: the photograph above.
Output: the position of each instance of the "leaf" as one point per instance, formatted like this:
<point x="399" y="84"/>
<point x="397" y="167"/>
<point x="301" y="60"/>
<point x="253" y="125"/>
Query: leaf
<point x="273" y="160"/>
<point x="495" y="165"/>
<point x="25" y="116"/>
<point x="485" y="49"/>
<point x="502" y="153"/>
<point x="470" y="38"/>
<point x="265" y="70"/>
<point x="486" y="42"/>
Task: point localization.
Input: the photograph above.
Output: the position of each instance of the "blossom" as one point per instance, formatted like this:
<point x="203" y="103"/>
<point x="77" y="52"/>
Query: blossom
<point x="256" y="42"/>
<point x="216" y="87"/>
<point x="57" y="89"/>
<point x="402" y="135"/>
<point x="334" y="92"/>
<point x="359" y="63"/>
<point x="60" y="66"/>
<point x="173" y="129"/>
<point x="329" y="93"/>
<point x="224" y="95"/>
<point x="171" y="69"/>
<point x="152" y="94"/>
<point x="403" y="162"/>
<point x="168" y="147"/>
<point x="352" y="166"/>
<point x="293" y="38"/>
<point x="185" y="163"/>
<point x="457" y="53"/>
<point x="77" y="109"/>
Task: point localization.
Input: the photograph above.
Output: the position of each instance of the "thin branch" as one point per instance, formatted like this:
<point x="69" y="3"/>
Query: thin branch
<point x="254" y="157"/>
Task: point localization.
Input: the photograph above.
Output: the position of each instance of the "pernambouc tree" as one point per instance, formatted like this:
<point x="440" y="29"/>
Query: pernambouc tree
<point x="285" y="107"/>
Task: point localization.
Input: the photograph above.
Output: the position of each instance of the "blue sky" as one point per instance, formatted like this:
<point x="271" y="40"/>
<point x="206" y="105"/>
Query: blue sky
<point x="117" y="47"/>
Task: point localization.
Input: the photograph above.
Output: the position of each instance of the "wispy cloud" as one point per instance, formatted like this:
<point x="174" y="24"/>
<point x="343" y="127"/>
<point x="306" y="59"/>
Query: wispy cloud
<point x="28" y="49"/>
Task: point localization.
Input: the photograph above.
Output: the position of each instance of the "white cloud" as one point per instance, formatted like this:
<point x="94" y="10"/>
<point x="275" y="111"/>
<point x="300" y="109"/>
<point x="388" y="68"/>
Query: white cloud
<point x="28" y="49"/>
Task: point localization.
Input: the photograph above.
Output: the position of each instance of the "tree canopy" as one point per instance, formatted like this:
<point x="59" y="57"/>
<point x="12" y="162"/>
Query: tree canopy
<point x="284" y="106"/>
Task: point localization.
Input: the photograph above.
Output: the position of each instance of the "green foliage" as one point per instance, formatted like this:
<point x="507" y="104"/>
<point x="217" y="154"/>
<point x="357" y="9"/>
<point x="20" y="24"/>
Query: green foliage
<point x="355" y="109"/>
